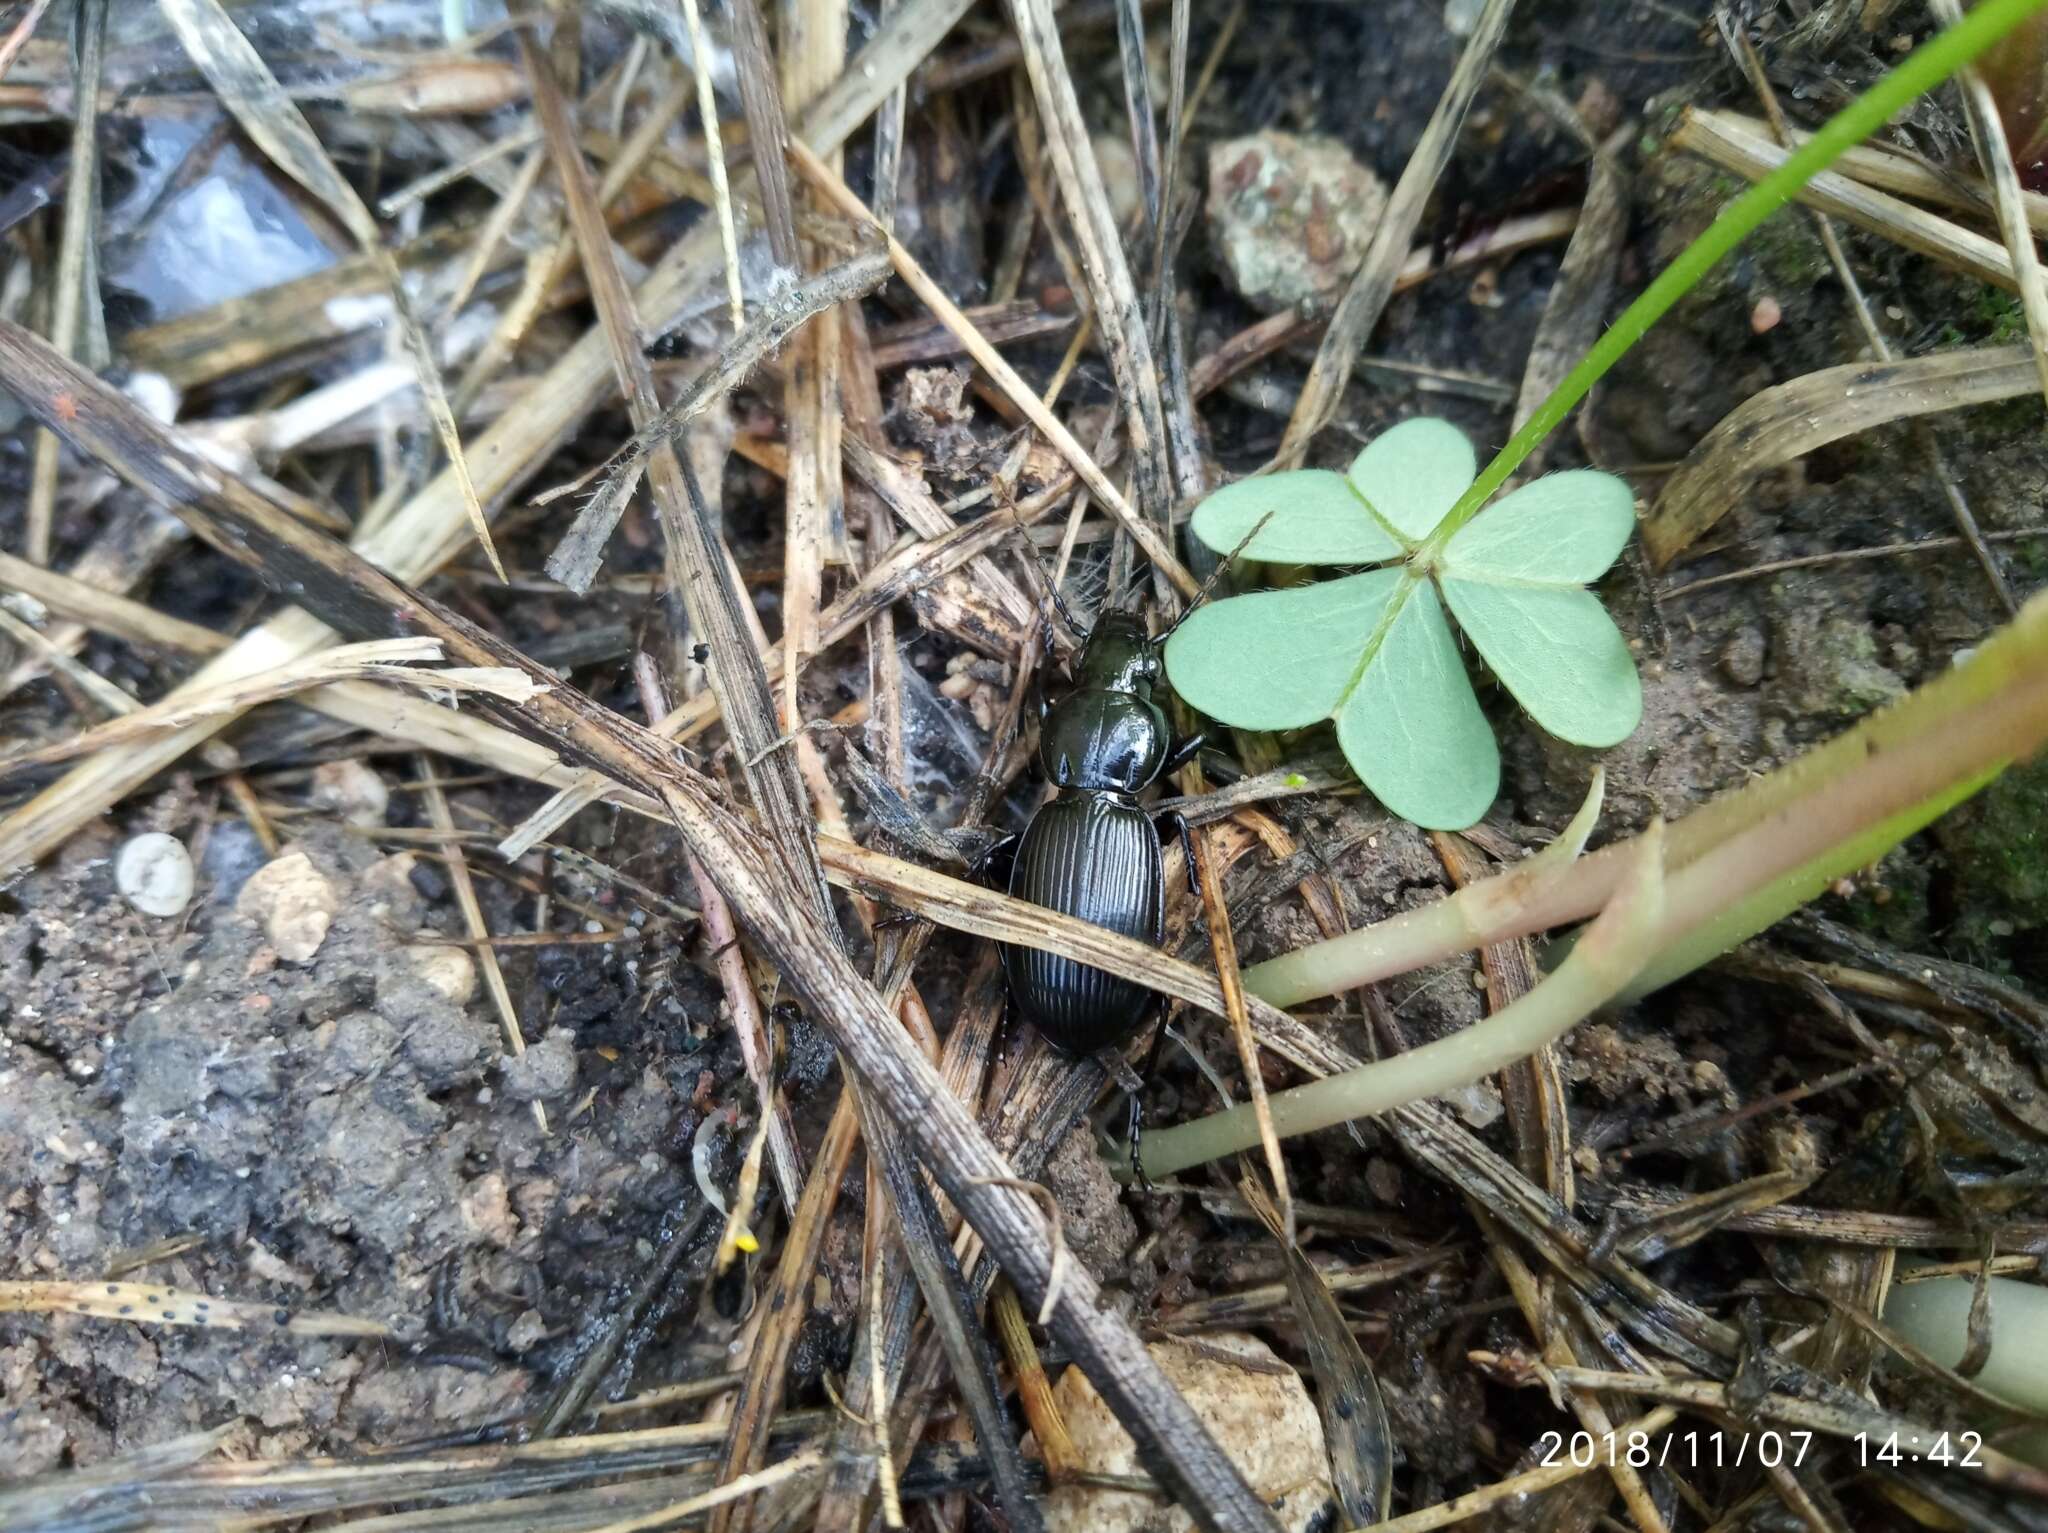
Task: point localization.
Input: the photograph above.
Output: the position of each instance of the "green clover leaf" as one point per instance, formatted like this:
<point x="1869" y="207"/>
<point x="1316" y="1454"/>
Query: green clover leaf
<point x="1375" y="652"/>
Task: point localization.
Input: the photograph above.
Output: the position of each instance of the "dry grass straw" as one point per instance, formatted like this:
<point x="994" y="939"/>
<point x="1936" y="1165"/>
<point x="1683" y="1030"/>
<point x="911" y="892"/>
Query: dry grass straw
<point x="1776" y="425"/>
<point x="155" y="1304"/>
<point x="1113" y="298"/>
<point x="1014" y="388"/>
<point x="77" y="323"/>
<point x="2008" y="206"/>
<point x="1223" y="947"/>
<point x="1859" y="306"/>
<point x="1893" y="171"/>
<point x="275" y="124"/>
<point x="430" y="528"/>
<point x="768" y="894"/>
<point x="392" y="661"/>
<point x="1723" y="139"/>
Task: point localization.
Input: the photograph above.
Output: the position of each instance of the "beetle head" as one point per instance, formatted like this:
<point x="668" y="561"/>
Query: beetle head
<point x="1119" y="655"/>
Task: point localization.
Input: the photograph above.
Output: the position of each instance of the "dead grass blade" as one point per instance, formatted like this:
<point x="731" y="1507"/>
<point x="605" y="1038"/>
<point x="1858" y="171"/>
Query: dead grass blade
<point x="151" y="1304"/>
<point x="1994" y="154"/>
<point x="1779" y="424"/>
<point x="386" y="660"/>
<point x="275" y="124"/>
<point x="766" y="893"/>
<point x="1014" y="388"/>
<point x="1576" y="310"/>
<point x="430" y="528"/>
<point x="1359" y="310"/>
<point x="456" y="861"/>
<point x="1356" y="1431"/>
<point x="1723" y="140"/>
<point x="1216" y="913"/>
<point x="1859" y="306"/>
<point x="576" y="558"/>
<point x="1875" y="165"/>
<point x="108" y="611"/>
<point x="77" y="323"/>
<point x="714" y="155"/>
<point x="1113" y="299"/>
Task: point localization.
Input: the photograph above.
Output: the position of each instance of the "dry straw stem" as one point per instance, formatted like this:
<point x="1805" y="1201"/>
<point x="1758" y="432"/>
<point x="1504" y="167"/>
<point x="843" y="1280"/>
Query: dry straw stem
<point x="1851" y="555"/>
<point x="1359" y="310"/>
<point x="1722" y="139"/>
<point x="1554" y="1332"/>
<point x="717" y="1496"/>
<point x="700" y="568"/>
<point x="1113" y="298"/>
<point x="1859" y="306"/>
<point x="1014" y="388"/>
<point x="386" y="660"/>
<point x="464" y="885"/>
<point x="104" y="695"/>
<point x="76" y="319"/>
<point x="431" y="527"/>
<point x="1875" y="165"/>
<point x="576" y="558"/>
<point x="274" y="123"/>
<point x="902" y="572"/>
<point x="812" y="43"/>
<point x="1223" y="947"/>
<point x="1776" y="425"/>
<point x="1504" y="1494"/>
<point x="24" y="29"/>
<point x="766" y="894"/>
<point x="714" y="155"/>
<point x="1577" y="305"/>
<point x="1994" y="154"/>
<point x="107" y="611"/>
<point x="153" y="1304"/>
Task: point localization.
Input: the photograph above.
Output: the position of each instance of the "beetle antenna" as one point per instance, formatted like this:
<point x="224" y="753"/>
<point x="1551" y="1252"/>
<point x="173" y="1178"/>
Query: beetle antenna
<point x="1217" y="574"/>
<point x="1080" y="629"/>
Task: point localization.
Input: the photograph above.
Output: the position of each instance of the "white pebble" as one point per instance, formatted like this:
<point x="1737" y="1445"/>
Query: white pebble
<point x="153" y="871"/>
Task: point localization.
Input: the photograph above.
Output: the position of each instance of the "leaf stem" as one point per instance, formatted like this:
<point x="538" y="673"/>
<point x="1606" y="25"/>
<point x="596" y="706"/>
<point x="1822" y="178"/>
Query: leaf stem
<point x="1919" y="72"/>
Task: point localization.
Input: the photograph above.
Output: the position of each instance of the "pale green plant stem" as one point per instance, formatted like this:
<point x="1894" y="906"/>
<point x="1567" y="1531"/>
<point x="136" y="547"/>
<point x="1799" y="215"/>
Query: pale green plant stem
<point x="1935" y="1317"/>
<point x="1747" y="859"/>
<point x="1919" y="72"/>
<point x="1615" y="949"/>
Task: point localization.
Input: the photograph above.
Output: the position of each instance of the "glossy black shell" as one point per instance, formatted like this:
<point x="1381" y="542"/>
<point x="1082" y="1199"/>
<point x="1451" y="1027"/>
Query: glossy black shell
<point x="1094" y="855"/>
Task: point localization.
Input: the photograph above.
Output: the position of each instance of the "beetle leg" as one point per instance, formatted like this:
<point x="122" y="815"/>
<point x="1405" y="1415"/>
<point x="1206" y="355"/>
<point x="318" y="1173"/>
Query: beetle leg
<point x="992" y="867"/>
<point x="1183" y="752"/>
<point x="1134" y="1121"/>
<point x="1175" y="823"/>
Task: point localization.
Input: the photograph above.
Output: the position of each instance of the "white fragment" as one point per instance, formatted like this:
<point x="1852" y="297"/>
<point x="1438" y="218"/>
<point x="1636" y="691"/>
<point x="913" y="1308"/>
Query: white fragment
<point x="293" y="902"/>
<point x="353" y="790"/>
<point x="348" y="312"/>
<point x="449" y="970"/>
<point x="1264" y="1420"/>
<point x="153" y="871"/>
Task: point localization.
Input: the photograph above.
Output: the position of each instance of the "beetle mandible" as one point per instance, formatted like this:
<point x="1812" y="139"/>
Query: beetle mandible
<point x="1092" y="851"/>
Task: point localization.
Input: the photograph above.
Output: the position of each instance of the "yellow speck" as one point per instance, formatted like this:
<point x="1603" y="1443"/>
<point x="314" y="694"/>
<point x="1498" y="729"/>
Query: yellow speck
<point x="746" y="1242"/>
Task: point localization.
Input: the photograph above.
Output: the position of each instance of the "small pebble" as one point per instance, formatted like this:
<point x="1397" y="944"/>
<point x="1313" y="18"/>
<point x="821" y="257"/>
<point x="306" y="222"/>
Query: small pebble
<point x="153" y="871"/>
<point x="1765" y="315"/>
<point x="294" y="904"/>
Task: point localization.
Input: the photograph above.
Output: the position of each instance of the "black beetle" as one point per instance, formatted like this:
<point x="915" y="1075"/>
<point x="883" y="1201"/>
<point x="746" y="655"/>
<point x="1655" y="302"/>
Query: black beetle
<point x="1091" y="851"/>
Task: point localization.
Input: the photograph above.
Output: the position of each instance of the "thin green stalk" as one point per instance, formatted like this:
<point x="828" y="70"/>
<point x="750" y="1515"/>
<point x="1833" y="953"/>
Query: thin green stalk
<point x="1919" y="72"/>
<point x="1614" y="950"/>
